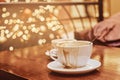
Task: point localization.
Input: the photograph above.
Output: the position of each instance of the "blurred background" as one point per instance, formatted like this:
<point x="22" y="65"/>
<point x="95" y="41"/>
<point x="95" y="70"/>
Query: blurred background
<point x="25" y="23"/>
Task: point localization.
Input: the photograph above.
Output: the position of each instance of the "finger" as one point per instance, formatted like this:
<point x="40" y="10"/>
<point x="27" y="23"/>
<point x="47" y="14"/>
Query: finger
<point x="103" y="34"/>
<point x="113" y="34"/>
<point x="102" y="27"/>
<point x="106" y="32"/>
<point x="99" y="29"/>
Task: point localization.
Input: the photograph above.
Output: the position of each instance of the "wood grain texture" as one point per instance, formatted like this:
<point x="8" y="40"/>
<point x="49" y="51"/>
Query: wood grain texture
<point x="31" y="63"/>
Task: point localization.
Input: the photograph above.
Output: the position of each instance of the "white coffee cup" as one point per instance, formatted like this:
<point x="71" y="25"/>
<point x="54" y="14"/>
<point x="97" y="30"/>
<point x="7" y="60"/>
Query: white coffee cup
<point x="74" y="54"/>
<point x="53" y="52"/>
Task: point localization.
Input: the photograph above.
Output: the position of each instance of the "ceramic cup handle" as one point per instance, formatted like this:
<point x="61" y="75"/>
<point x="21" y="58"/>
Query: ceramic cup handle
<point x="53" y="54"/>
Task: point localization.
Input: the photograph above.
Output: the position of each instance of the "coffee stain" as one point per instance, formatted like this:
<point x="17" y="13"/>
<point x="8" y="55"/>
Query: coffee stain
<point x="67" y="60"/>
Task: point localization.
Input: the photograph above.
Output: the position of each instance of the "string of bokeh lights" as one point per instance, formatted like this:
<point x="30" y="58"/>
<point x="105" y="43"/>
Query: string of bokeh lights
<point x="21" y="24"/>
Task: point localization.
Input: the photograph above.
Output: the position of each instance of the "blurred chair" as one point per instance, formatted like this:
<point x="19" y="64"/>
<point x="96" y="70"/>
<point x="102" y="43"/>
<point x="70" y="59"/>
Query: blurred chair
<point x="94" y="14"/>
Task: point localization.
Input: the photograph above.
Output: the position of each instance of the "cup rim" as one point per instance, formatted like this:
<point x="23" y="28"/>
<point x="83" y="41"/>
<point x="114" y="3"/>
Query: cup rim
<point x="56" y="40"/>
<point x="89" y="44"/>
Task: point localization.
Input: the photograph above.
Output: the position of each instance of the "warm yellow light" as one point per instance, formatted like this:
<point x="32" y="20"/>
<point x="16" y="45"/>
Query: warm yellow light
<point x="4" y="9"/>
<point x="27" y="1"/>
<point x="14" y="37"/>
<point x="30" y="19"/>
<point x="36" y="12"/>
<point x="7" y="31"/>
<point x="51" y="36"/>
<point x="43" y="28"/>
<point x="42" y="18"/>
<point x="2" y="39"/>
<point x="57" y="27"/>
<point x="20" y="33"/>
<point x="41" y="41"/>
<point x="11" y="48"/>
<point x="34" y="29"/>
<point x="14" y="15"/>
<point x="3" y="15"/>
<point x="56" y="11"/>
<point x="7" y="13"/>
<point x="16" y="27"/>
<point x="49" y="24"/>
<point x="25" y="37"/>
<point x="106" y="14"/>
<point x="34" y="0"/>
<point x="9" y="35"/>
<point x="24" y="27"/>
<point x="2" y="33"/>
<point x="40" y="33"/>
<point x="26" y="31"/>
<point x="18" y="21"/>
<point x="6" y="21"/>
<point x="10" y="21"/>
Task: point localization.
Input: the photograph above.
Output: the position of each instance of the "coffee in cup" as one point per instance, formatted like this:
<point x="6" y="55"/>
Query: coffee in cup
<point x="54" y="42"/>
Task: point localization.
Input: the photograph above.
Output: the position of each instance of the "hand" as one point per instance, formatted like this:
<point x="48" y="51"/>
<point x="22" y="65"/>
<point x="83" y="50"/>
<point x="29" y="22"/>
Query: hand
<point x="107" y="30"/>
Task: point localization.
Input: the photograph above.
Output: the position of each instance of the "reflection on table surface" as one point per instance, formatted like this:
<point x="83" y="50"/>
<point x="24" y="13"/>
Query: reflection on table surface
<point x="31" y="63"/>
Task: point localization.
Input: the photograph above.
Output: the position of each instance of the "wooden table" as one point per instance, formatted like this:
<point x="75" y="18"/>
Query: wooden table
<point x="31" y="63"/>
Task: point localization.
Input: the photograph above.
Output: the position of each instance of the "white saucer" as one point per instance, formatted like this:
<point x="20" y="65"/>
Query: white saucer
<point x="59" y="68"/>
